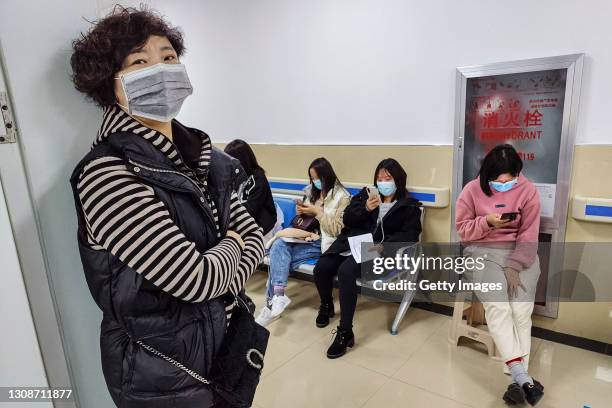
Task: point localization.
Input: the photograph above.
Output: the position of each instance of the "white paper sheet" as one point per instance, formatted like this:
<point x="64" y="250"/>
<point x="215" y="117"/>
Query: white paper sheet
<point x="547" y="198"/>
<point x="355" y="245"/>
<point x="295" y="240"/>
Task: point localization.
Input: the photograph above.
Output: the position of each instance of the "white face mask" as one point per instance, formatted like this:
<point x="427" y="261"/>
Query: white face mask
<point x="156" y="92"/>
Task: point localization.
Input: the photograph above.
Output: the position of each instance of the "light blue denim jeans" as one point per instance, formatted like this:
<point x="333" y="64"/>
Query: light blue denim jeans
<point x="285" y="256"/>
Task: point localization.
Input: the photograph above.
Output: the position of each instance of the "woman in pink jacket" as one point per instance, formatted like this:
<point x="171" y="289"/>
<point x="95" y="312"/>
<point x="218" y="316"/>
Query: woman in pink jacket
<point x="498" y="219"/>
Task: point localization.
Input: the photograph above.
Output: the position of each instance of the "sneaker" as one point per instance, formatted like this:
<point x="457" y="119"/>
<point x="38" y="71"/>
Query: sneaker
<point x="279" y="303"/>
<point x="265" y="317"/>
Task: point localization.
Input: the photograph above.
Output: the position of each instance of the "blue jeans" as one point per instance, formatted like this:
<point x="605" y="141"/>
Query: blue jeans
<point x="285" y="256"/>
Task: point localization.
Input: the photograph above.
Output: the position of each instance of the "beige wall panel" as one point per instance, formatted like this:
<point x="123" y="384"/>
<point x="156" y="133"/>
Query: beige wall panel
<point x="432" y="166"/>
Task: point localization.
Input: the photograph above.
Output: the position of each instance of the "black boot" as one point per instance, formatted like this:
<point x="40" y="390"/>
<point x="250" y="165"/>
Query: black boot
<point x="343" y="339"/>
<point x="514" y="395"/>
<point x="518" y="395"/>
<point x="533" y="393"/>
<point x="326" y="311"/>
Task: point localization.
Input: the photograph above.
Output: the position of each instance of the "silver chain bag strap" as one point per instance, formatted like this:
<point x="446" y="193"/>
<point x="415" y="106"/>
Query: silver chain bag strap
<point x="233" y="380"/>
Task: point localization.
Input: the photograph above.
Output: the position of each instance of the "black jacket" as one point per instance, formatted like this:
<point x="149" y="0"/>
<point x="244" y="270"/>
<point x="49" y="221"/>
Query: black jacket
<point x="134" y="309"/>
<point x="401" y="224"/>
<point x="256" y="197"/>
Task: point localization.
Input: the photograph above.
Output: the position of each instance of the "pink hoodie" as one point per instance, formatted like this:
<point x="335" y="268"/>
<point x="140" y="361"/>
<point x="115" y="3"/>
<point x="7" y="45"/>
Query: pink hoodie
<point x="473" y="205"/>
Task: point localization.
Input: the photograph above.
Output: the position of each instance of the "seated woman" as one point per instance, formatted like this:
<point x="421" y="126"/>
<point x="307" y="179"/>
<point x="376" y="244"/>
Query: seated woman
<point x="392" y="216"/>
<point x="254" y="193"/>
<point x="325" y="199"/>
<point x="508" y="243"/>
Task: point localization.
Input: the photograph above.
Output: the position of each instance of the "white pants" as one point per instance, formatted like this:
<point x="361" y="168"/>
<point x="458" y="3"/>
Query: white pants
<point x="509" y="322"/>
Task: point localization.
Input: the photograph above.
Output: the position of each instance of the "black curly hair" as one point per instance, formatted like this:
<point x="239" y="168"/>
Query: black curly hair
<point x="99" y="53"/>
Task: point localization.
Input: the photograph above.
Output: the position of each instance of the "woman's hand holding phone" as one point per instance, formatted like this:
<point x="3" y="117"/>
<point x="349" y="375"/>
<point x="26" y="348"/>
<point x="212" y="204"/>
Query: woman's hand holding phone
<point x="305" y="209"/>
<point x="372" y="202"/>
<point x="495" y="220"/>
<point x="299" y="206"/>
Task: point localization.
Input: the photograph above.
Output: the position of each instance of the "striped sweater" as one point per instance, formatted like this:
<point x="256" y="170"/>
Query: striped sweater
<point x="123" y="216"/>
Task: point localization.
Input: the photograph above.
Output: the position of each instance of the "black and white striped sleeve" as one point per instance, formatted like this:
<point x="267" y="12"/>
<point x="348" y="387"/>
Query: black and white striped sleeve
<point x="124" y="217"/>
<point x="244" y="224"/>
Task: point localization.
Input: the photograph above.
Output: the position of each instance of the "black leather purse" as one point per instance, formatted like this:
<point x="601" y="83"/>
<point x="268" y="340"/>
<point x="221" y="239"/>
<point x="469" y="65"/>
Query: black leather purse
<point x="236" y="370"/>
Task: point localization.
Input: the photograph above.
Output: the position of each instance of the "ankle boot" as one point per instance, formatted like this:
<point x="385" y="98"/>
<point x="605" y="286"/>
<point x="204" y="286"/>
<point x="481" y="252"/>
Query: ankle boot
<point x="326" y="311"/>
<point x="533" y="393"/>
<point x="344" y="338"/>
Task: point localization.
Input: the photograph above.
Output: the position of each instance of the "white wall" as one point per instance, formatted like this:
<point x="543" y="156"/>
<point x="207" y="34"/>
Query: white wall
<point x="374" y="71"/>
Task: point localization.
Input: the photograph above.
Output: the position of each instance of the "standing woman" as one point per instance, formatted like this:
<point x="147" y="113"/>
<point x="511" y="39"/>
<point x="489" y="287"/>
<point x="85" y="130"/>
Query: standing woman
<point x="508" y="244"/>
<point x="165" y="244"/>
<point x="325" y="199"/>
<point x="254" y="193"/>
<point x="392" y="216"/>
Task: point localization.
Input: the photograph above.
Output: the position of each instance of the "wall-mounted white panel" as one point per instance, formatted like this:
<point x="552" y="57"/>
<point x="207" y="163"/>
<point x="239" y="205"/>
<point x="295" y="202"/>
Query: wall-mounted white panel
<point x="595" y="209"/>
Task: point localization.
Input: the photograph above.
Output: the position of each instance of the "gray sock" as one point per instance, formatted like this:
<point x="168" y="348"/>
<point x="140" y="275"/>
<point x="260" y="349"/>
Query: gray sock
<point x="519" y="374"/>
<point x="279" y="290"/>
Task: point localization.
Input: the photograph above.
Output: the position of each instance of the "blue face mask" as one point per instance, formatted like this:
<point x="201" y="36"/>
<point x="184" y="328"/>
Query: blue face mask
<point x="503" y="187"/>
<point x="317" y="183"/>
<point x="386" y="188"/>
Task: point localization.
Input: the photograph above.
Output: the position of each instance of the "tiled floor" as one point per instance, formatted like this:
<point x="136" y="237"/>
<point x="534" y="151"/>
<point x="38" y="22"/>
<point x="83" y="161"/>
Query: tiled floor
<point x="418" y="367"/>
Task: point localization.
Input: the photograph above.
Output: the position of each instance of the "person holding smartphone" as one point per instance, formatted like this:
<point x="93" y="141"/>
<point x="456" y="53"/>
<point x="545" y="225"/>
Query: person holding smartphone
<point x="390" y="215"/>
<point x="498" y="219"/>
<point x="325" y="199"/>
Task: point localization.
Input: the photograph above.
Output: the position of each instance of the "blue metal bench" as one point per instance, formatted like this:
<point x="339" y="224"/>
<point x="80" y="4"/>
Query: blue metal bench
<point x="287" y="205"/>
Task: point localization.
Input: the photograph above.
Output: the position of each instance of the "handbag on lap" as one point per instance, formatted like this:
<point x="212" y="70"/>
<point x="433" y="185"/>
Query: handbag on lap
<point x="305" y="222"/>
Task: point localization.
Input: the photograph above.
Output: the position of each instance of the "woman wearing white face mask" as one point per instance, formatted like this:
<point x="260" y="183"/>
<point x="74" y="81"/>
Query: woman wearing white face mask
<point x="166" y="246"/>
<point x="391" y="216"/>
<point x="498" y="219"/>
<point x="324" y="199"/>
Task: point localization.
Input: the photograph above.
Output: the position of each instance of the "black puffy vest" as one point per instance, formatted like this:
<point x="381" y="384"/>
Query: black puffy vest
<point x="133" y="309"/>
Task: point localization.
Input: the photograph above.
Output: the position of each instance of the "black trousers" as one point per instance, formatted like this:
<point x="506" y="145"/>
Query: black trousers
<point x="348" y="271"/>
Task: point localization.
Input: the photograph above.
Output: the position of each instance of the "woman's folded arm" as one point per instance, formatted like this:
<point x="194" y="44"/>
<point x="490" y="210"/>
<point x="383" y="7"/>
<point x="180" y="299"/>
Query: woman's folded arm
<point x="244" y="224"/>
<point x="124" y="217"/>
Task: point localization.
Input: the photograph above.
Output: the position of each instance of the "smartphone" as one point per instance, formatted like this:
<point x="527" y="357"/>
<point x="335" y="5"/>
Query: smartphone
<point x="300" y="202"/>
<point x="372" y="191"/>
<point x="510" y="216"/>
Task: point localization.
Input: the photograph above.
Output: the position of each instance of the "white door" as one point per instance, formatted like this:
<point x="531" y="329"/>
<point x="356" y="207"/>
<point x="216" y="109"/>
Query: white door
<point x="31" y="349"/>
<point x="22" y="364"/>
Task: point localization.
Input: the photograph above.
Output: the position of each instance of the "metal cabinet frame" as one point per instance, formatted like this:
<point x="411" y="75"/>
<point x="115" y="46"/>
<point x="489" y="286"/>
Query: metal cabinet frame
<point x="555" y="226"/>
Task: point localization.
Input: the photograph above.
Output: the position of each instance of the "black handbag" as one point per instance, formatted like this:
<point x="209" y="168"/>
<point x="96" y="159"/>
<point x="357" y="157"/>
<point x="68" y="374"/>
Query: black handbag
<point x="236" y="369"/>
